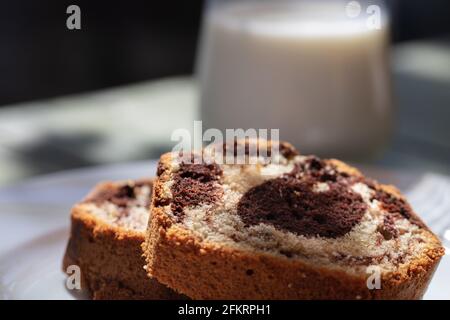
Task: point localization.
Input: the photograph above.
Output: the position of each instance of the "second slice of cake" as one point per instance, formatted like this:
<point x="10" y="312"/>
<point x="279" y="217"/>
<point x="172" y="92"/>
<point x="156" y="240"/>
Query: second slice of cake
<point x="107" y="231"/>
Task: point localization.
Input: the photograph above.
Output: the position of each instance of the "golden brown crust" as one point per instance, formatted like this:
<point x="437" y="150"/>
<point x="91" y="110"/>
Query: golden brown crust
<point x="110" y="258"/>
<point x="203" y="270"/>
<point x="343" y="167"/>
<point x="221" y="273"/>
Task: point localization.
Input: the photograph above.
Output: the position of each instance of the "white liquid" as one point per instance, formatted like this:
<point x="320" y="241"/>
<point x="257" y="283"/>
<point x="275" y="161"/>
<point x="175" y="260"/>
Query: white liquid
<point x="317" y="75"/>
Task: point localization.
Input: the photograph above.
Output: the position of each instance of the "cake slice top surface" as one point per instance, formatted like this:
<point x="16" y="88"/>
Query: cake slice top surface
<point x="121" y="204"/>
<point x="297" y="207"/>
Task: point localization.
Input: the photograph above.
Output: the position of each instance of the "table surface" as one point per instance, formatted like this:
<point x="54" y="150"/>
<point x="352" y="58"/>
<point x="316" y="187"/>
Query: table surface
<point x="135" y="122"/>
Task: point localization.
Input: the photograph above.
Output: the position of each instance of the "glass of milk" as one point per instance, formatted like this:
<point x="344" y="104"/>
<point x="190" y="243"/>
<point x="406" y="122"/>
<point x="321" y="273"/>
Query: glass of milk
<point x="317" y="70"/>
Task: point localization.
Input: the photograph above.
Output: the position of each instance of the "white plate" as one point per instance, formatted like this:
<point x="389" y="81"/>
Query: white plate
<point x="35" y="221"/>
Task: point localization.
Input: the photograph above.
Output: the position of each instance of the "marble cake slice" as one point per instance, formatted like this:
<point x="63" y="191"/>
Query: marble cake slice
<point x="300" y="227"/>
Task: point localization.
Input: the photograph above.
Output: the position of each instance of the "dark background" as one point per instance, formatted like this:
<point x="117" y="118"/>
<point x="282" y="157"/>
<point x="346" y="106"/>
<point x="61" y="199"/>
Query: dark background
<point x="131" y="41"/>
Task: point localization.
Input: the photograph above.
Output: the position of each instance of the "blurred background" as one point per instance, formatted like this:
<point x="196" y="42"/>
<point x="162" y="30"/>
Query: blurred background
<point x="116" y="89"/>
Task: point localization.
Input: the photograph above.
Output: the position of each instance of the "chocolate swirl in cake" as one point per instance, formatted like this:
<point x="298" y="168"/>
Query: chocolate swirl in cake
<point x="195" y="184"/>
<point x="121" y="204"/>
<point x="291" y="204"/>
<point x="396" y="206"/>
<point x="121" y="196"/>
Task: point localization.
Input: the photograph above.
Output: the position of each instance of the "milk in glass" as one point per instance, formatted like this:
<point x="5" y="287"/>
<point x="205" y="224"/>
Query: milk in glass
<point x="308" y="68"/>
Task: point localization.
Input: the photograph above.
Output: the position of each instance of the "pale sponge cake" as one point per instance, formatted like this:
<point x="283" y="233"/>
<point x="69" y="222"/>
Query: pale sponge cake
<point x="107" y="231"/>
<point x="298" y="228"/>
